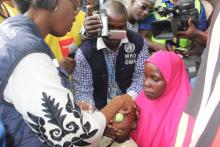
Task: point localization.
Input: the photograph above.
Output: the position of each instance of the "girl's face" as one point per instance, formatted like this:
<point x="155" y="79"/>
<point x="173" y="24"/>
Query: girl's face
<point x="154" y="82"/>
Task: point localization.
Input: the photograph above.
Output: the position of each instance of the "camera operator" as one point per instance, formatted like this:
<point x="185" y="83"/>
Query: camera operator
<point x="138" y="11"/>
<point x="139" y="20"/>
<point x="182" y="45"/>
<point x="110" y="65"/>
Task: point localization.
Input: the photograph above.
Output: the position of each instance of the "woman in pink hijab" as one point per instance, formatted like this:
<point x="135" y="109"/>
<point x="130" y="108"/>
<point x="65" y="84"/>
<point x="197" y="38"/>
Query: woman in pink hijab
<point x="162" y="101"/>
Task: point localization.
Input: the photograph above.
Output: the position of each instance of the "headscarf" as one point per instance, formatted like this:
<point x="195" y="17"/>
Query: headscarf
<point x="159" y="119"/>
<point x="200" y="123"/>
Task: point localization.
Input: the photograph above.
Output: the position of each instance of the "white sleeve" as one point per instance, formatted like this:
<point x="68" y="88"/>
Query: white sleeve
<point x="35" y="89"/>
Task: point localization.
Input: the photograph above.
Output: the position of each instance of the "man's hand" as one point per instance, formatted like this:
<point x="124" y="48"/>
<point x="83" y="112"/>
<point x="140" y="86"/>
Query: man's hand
<point x="68" y="64"/>
<point x="190" y="33"/>
<point x="93" y="25"/>
<point x="120" y="131"/>
<point x="118" y="135"/>
<point x="196" y="49"/>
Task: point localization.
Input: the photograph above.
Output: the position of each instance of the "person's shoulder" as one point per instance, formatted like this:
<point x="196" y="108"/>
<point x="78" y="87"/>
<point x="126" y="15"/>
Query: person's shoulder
<point x="133" y="35"/>
<point x="9" y="20"/>
<point x="131" y="32"/>
<point x="88" y="46"/>
<point x="135" y="38"/>
<point x="20" y="31"/>
<point x="89" y="43"/>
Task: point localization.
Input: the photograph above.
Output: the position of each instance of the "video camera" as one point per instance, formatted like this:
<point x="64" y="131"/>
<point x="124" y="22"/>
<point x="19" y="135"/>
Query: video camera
<point x="105" y="32"/>
<point x="177" y="21"/>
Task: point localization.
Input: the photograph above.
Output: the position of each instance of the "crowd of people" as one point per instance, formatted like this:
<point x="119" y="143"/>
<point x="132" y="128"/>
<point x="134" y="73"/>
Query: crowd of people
<point x="93" y="73"/>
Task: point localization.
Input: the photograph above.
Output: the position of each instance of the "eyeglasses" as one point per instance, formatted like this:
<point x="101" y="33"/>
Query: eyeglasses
<point x="145" y="7"/>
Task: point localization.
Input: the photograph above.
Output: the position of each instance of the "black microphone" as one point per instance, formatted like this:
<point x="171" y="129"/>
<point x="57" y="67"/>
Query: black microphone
<point x="72" y="51"/>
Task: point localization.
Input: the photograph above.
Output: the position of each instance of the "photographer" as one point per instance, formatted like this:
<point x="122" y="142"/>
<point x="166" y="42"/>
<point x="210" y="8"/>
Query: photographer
<point x="110" y="65"/>
<point x="140" y="17"/>
<point x="138" y="11"/>
<point x="36" y="108"/>
<point x="186" y="10"/>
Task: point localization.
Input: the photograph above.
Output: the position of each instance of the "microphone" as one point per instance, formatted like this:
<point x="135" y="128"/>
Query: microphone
<point x="72" y="51"/>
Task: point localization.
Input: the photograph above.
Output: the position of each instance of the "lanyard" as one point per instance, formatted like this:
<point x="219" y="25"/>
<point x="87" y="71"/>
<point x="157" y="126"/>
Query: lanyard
<point x="110" y="69"/>
<point x="114" y="89"/>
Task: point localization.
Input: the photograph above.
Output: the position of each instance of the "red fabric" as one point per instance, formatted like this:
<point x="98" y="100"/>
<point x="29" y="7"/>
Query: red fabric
<point x="64" y="45"/>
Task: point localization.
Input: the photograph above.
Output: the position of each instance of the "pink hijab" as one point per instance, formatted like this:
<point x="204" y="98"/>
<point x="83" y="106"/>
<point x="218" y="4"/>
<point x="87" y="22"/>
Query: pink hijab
<point x="159" y="119"/>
